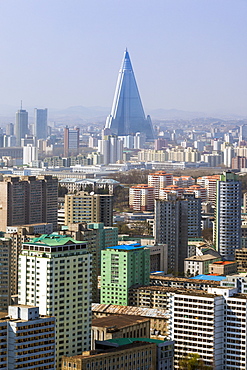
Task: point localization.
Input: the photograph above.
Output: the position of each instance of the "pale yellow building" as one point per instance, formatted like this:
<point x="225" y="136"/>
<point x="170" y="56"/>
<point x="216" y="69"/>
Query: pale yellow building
<point x="88" y="207"/>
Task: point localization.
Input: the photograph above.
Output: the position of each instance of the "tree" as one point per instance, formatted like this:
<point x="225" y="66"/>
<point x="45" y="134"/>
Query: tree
<point x="192" y="361"/>
<point x="62" y="190"/>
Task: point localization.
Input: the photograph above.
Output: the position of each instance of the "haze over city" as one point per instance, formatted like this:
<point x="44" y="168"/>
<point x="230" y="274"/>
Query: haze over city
<point x="187" y="55"/>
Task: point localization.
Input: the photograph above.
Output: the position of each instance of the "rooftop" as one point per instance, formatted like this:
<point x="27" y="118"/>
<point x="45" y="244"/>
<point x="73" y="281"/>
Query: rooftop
<point x="127" y="247"/>
<point x="205" y="257"/>
<point x="117" y="322"/>
<point x="124" y="341"/>
<point x="54" y="240"/>
<point x="129" y="310"/>
<point x="209" y="277"/>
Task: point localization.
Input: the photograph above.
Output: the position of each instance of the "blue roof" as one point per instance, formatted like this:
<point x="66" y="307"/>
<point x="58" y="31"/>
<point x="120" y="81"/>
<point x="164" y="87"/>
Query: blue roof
<point x="127" y="247"/>
<point x="209" y="277"/>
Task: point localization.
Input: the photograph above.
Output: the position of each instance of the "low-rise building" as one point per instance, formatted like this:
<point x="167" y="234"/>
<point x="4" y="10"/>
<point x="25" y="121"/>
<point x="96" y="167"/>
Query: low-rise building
<point x="158" y="317"/>
<point x="131" y="356"/>
<point x="119" y="326"/>
<point x="197" y="265"/>
<point x="223" y="267"/>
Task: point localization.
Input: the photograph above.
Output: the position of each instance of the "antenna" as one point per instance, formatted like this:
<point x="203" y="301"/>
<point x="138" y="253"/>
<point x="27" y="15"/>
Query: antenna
<point x="21" y="104"/>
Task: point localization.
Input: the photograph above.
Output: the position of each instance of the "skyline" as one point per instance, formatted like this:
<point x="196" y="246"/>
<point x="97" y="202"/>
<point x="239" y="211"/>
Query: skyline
<point x="186" y="56"/>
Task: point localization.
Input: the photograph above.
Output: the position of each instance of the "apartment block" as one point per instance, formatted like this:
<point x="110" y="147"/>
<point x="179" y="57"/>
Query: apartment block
<point x="171" y="228"/>
<point x="159" y="180"/>
<point x="141" y="198"/>
<point x="98" y="237"/>
<point x="83" y="207"/>
<point x="227" y="231"/>
<point x="197" y="326"/>
<point x="55" y="274"/>
<point x="121" y="267"/>
<point x="27" y="339"/>
<point x="5" y="274"/>
<point x="28" y="200"/>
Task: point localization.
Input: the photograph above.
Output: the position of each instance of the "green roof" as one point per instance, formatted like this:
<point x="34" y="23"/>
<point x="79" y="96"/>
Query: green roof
<point x="54" y="239"/>
<point x="123" y="341"/>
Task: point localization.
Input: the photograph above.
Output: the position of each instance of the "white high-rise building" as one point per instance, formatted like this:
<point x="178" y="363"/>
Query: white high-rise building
<point x="30" y="154"/>
<point x="227" y="231"/>
<point x="111" y="147"/>
<point x="55" y="274"/>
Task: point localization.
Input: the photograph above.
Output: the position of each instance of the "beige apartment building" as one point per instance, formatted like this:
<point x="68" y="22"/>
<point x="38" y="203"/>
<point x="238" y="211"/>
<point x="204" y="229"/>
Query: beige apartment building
<point x="88" y="207"/>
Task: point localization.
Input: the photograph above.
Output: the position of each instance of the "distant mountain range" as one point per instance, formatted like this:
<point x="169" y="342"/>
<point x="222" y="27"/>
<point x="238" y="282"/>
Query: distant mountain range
<point x="84" y="115"/>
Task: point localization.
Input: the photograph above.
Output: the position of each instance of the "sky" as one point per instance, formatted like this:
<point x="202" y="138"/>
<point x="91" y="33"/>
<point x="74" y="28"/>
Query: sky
<point x="186" y="54"/>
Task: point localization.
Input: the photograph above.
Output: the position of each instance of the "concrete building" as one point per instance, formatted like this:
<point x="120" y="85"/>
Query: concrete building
<point x="159" y="180"/>
<point x="157" y="316"/>
<point x="227" y="231"/>
<point x="141" y="197"/>
<point x="28" y="200"/>
<point x="55" y="274"/>
<point x="98" y="237"/>
<point x="84" y="207"/>
<point x="111" y="147"/>
<point x="71" y="141"/>
<point x="121" y="267"/>
<point x="40" y="123"/>
<point x="5" y="275"/>
<point x="223" y="268"/>
<point x="27" y="339"/>
<point x="21" y="125"/>
<point x="119" y="326"/>
<point x="30" y="154"/>
<point x="209" y="182"/>
<point x="130" y="355"/>
<point x="197" y="265"/>
<point x="171" y="228"/>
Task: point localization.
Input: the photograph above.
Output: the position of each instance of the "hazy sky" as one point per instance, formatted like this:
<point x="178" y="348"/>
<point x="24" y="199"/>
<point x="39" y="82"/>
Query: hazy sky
<point x="186" y="54"/>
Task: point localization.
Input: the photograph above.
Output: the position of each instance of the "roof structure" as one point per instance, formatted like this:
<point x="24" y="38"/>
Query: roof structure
<point x="127" y="115"/>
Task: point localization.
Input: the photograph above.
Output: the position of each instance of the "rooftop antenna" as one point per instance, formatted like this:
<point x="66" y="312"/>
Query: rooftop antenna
<point x="21" y="104"/>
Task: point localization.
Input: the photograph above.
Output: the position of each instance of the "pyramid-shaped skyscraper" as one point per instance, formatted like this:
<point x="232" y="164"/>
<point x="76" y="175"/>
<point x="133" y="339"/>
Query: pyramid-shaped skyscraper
<point x="127" y="115"/>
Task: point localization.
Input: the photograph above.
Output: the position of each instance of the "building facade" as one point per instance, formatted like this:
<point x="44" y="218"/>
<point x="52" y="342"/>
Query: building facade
<point x="227" y="231"/>
<point x="28" y="200"/>
<point x="27" y="339"/>
<point x="55" y="274"/>
<point x="84" y="207"/>
<point x="121" y="267"/>
<point x="40" y="123"/>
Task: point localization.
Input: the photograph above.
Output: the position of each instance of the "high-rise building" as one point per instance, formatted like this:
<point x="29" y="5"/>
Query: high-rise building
<point x="84" y="207"/>
<point x="71" y="141"/>
<point x="127" y="114"/>
<point x="10" y="129"/>
<point x="171" y="228"/>
<point x="121" y="267"/>
<point x="27" y="339"/>
<point x="98" y="237"/>
<point x="227" y="231"/>
<point x="5" y="275"/>
<point x="55" y="274"/>
<point x="111" y="147"/>
<point x="21" y="125"/>
<point x="40" y="123"/>
<point x="28" y="200"/>
<point x="18" y="235"/>
<point x="30" y="154"/>
<point x="141" y="197"/>
<point x="159" y="180"/>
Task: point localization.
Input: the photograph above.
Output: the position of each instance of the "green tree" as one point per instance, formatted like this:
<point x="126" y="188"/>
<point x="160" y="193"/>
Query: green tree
<point x="192" y="361"/>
